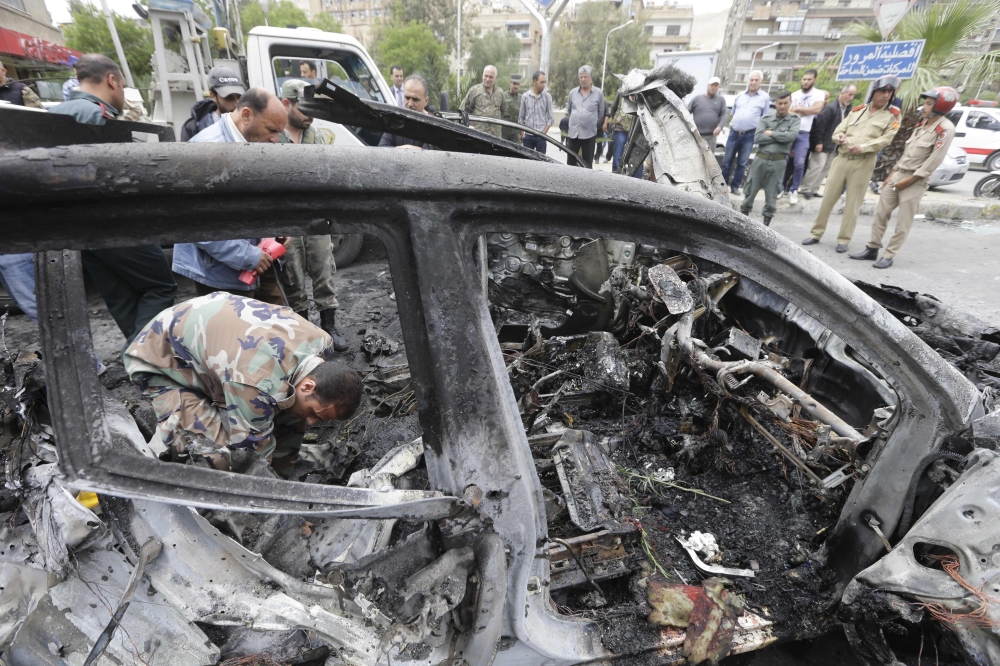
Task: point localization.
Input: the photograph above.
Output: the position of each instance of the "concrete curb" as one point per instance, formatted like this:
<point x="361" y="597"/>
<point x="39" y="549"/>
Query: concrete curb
<point x="950" y="210"/>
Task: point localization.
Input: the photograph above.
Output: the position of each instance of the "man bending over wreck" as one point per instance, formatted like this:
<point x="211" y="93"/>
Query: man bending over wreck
<point x="240" y="372"/>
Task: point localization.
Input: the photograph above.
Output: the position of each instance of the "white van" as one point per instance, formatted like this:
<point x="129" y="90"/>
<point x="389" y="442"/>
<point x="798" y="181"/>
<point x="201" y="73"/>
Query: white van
<point x="977" y="131"/>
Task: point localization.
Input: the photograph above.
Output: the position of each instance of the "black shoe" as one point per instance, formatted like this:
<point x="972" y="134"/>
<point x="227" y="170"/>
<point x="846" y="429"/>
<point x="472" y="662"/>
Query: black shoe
<point x="883" y="263"/>
<point x="328" y="324"/>
<point x="806" y="195"/>
<point x="734" y="190"/>
<point x="841" y="248"/>
<point x="767" y="221"/>
<point x="866" y="254"/>
<point x="817" y="195"/>
<point x="810" y="241"/>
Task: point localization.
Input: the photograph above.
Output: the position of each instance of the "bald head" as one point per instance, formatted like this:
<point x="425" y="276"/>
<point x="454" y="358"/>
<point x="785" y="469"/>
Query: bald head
<point x="489" y="77"/>
<point x="260" y="116"/>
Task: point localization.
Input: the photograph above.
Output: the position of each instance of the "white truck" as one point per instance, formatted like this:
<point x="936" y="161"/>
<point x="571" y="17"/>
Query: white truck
<point x="699" y="64"/>
<point x="272" y="55"/>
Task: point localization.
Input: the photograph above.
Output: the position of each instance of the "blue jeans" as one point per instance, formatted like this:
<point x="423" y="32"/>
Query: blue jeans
<point x="738" y="146"/>
<point x="800" y="149"/>
<point x="17" y="272"/>
<point x="618" y="140"/>
<point x="536" y="143"/>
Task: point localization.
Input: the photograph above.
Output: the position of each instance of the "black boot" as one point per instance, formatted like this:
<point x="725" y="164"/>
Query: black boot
<point x="767" y="221"/>
<point x="327" y="323"/>
<point x="304" y="314"/>
<point x="867" y="254"/>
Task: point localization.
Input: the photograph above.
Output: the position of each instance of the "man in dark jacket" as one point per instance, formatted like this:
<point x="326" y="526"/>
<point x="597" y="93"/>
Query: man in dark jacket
<point x="135" y="282"/>
<point x="415" y="99"/>
<point x="821" y="140"/>
<point x="224" y="90"/>
<point x="16" y="92"/>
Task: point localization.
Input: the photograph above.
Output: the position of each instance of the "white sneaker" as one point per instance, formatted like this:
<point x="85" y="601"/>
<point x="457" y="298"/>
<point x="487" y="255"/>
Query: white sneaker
<point x="793" y="197"/>
<point x="781" y="194"/>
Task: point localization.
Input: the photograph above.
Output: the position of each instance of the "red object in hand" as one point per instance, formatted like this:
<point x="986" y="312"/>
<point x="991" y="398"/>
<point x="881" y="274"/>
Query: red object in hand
<point x="273" y="248"/>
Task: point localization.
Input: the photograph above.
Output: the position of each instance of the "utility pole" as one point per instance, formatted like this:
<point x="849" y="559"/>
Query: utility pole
<point x="118" y="44"/>
<point x="604" y="65"/>
<point x="458" y="56"/>
<point x="547" y="27"/>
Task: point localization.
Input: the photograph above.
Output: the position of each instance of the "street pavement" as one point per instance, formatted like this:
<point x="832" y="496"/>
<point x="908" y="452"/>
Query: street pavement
<point x="957" y="261"/>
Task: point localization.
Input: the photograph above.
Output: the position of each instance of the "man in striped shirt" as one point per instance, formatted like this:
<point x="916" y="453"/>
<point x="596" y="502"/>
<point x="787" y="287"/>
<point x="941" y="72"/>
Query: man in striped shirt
<point x="536" y="112"/>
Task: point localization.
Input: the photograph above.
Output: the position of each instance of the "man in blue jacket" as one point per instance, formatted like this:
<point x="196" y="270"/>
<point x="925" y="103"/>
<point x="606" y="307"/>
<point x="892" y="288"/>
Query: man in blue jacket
<point x="259" y="117"/>
<point x="135" y="282"/>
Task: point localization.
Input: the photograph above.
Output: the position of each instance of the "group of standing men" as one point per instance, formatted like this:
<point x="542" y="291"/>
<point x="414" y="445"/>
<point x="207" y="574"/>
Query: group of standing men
<point x="842" y="144"/>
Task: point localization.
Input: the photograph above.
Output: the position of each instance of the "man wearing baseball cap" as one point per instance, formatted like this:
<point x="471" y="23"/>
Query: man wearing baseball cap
<point x="709" y="111"/>
<point x="224" y="91"/>
<point x="309" y="255"/>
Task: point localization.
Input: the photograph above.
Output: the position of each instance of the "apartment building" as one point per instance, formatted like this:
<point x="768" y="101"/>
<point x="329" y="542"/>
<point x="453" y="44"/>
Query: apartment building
<point x="510" y="17"/>
<point x="668" y="26"/>
<point x="357" y="16"/>
<point x="807" y="31"/>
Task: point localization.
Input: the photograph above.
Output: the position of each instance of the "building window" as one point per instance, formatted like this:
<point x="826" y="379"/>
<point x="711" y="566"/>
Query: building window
<point x="843" y="3"/>
<point x="816" y="26"/>
<point x="816" y="4"/>
<point x="649" y="30"/>
<point x="781" y="55"/>
<point x="829" y="54"/>
<point x="789" y="25"/>
<point x="808" y="57"/>
<point x="673" y="30"/>
<point x="16" y="4"/>
<point x="761" y="31"/>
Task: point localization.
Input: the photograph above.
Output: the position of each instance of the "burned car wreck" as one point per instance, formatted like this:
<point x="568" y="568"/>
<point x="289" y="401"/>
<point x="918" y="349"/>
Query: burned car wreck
<point x="650" y="431"/>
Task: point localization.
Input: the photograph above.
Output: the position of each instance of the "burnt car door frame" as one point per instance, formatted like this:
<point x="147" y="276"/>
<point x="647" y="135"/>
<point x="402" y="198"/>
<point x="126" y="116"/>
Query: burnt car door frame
<point x="429" y="209"/>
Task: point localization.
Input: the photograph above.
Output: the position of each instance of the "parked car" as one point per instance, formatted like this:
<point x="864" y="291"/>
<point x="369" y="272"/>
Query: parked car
<point x="978" y="132"/>
<point x="952" y="169"/>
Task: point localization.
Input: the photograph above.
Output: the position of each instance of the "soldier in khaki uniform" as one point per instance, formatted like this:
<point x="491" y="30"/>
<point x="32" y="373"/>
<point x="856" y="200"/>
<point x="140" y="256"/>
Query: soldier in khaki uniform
<point x="240" y="373"/>
<point x="865" y="131"/>
<point x="484" y="99"/>
<point x="512" y="109"/>
<point x="309" y="254"/>
<point x="907" y="182"/>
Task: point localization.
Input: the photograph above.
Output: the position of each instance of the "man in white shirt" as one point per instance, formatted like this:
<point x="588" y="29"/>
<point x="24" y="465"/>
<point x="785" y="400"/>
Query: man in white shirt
<point x="396" y="72"/>
<point x="806" y="103"/>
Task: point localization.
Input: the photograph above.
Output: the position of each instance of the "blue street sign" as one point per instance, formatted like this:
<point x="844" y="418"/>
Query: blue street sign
<point x="865" y="62"/>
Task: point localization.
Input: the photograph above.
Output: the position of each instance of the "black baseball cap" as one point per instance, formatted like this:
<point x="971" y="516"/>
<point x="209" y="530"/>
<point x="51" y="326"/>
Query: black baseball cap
<point x="224" y="81"/>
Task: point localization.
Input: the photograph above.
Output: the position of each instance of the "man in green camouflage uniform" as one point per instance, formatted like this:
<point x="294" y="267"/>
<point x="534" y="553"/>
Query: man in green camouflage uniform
<point x="240" y="372"/>
<point x="776" y="132"/>
<point x="512" y="109"/>
<point x="484" y="99"/>
<point x="309" y="254"/>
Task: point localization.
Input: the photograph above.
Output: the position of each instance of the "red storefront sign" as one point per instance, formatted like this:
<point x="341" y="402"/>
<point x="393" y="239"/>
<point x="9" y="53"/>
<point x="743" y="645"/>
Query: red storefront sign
<point x="26" y="46"/>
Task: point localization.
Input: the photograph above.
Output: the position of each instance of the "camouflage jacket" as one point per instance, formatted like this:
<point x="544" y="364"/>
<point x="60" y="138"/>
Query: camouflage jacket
<point x="512" y="109"/>
<point x="478" y="102"/>
<point x="244" y="355"/>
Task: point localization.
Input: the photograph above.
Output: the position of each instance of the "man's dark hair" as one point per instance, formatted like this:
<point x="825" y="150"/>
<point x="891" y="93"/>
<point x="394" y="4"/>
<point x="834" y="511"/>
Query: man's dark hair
<point x="423" y="82"/>
<point x="308" y="63"/>
<point x="534" y="77"/>
<point x="811" y="71"/>
<point x="394" y="68"/>
<point x="255" y="99"/>
<point x="783" y="94"/>
<point x="94" y="67"/>
<point x="336" y="384"/>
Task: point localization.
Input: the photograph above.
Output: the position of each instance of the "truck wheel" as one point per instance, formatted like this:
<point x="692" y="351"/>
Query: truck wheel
<point x="346" y="248"/>
<point x="993" y="162"/>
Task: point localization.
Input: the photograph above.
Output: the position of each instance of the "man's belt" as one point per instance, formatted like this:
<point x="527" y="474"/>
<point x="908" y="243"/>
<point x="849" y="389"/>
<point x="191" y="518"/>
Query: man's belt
<point x="862" y="156"/>
<point x="732" y="131"/>
<point x="772" y="157"/>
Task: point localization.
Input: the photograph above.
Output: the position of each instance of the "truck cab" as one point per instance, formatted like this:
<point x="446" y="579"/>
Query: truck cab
<point x="275" y="55"/>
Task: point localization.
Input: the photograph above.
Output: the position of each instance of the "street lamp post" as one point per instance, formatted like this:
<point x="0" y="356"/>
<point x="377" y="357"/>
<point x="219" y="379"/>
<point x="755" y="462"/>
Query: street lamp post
<point x="604" y="65"/>
<point x="754" y="58"/>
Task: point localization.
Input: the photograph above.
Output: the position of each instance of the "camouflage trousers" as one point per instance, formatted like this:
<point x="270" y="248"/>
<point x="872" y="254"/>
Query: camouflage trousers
<point x="312" y="255"/>
<point x="180" y="408"/>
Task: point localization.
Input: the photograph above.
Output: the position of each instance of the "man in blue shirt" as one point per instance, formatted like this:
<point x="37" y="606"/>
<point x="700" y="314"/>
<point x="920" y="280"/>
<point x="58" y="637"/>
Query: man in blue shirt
<point x="135" y="282"/>
<point x="749" y="107"/>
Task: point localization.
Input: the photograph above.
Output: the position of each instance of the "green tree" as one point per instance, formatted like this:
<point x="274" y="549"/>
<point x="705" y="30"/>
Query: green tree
<point x="581" y="42"/>
<point x="88" y="32"/>
<point x="279" y="15"/>
<point x="326" y="22"/>
<point x="500" y="49"/>
<point x="415" y="48"/>
<point x="945" y="27"/>
<point x="440" y="16"/>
